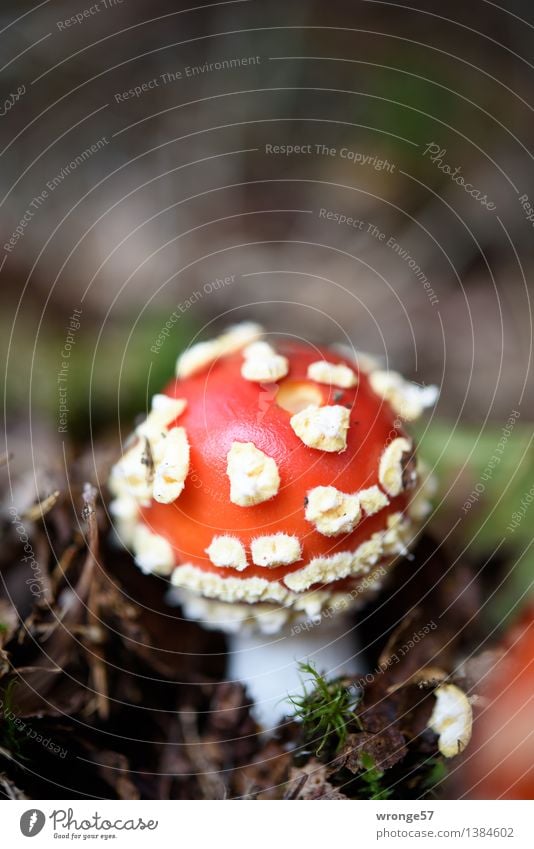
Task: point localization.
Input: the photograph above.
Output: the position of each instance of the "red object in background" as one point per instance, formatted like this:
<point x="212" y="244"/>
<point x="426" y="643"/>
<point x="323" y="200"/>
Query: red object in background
<point x="501" y="765"/>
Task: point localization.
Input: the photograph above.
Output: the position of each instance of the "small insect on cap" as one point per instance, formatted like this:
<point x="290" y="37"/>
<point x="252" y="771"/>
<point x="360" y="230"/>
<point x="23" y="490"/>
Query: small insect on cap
<point x="271" y="473"/>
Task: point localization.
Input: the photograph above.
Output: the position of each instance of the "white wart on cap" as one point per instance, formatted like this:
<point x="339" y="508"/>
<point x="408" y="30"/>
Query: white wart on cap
<point x="324" y="428"/>
<point x="332" y="374"/>
<point x="275" y="550"/>
<point x="227" y="552"/>
<point x="262" y="364"/>
<point x="254" y="476"/>
<point x="392" y="465"/>
<point x="407" y="399"/>
<point x="202" y="354"/>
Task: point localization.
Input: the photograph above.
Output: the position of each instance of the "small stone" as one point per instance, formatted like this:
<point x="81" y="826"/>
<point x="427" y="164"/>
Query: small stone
<point x="451" y="719"/>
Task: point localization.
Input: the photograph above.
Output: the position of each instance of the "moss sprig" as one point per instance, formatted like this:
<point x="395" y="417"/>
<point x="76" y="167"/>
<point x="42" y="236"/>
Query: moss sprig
<point x="325" y="710"/>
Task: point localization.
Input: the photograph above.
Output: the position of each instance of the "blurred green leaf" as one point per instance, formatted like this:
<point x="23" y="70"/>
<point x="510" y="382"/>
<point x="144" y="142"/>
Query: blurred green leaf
<point x="485" y="497"/>
<point x="116" y="372"/>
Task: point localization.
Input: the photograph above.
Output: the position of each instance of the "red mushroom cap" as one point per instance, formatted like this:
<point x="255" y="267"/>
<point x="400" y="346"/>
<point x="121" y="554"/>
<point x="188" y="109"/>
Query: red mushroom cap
<point x="277" y="472"/>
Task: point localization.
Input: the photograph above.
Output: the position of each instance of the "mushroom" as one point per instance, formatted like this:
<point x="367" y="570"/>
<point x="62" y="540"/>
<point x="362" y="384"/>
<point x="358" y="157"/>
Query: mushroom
<point x="274" y="487"/>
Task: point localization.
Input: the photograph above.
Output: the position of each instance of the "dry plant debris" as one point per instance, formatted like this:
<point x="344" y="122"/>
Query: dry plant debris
<point x="107" y="692"/>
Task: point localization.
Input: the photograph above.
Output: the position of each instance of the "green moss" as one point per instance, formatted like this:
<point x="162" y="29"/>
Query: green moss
<point x="437" y="772"/>
<point x="325" y="710"/>
<point x="372" y="779"/>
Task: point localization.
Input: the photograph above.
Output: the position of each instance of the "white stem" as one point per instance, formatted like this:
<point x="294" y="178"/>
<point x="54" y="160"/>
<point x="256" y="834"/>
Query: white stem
<point x="269" y="665"/>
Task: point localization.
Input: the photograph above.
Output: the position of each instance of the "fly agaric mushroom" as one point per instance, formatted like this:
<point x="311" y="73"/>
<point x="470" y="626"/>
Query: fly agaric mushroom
<point x="272" y="485"/>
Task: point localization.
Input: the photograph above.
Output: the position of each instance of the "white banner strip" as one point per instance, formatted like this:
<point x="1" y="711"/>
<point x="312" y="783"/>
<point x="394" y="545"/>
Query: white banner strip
<point x="264" y="825"/>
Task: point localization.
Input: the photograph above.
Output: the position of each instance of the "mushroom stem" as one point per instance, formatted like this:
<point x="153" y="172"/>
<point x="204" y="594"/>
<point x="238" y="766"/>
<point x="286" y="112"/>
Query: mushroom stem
<point x="269" y="666"/>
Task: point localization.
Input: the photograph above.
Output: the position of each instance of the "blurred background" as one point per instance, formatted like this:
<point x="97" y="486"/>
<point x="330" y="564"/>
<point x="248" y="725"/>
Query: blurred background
<point x="346" y="171"/>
